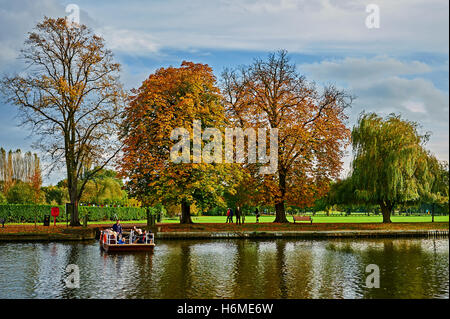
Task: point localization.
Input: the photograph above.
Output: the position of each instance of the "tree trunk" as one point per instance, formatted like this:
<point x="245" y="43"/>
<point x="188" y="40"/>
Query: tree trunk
<point x="74" y="217"/>
<point x="185" y="213"/>
<point x="72" y="180"/>
<point x="279" y="205"/>
<point x="432" y="213"/>
<point x="280" y="213"/>
<point x="386" y="209"/>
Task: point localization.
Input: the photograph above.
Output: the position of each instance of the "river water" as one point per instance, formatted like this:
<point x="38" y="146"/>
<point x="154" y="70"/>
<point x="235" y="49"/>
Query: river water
<point x="408" y="268"/>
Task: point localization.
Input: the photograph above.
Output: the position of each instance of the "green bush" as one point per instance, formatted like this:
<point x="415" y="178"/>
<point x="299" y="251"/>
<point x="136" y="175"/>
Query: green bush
<point x="20" y="193"/>
<point x="16" y="213"/>
<point x="112" y="213"/>
<point x="2" y="198"/>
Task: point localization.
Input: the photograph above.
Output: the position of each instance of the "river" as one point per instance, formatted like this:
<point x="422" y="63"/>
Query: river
<point x="408" y="268"/>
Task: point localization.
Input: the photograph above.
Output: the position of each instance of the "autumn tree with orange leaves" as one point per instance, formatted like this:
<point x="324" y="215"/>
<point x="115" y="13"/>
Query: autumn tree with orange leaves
<point x="173" y="98"/>
<point x="311" y="122"/>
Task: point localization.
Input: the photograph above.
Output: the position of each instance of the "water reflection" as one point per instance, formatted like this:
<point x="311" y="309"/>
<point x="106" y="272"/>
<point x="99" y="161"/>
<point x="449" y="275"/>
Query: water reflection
<point x="412" y="268"/>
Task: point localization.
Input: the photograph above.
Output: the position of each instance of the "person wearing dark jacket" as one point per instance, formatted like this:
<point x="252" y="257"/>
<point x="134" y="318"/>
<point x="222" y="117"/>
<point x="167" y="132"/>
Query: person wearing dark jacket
<point x="238" y="215"/>
<point x="117" y="227"/>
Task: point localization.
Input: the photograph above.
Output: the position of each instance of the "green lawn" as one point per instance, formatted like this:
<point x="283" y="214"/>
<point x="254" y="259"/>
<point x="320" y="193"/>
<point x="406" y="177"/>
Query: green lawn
<point x="321" y="219"/>
<point x="269" y="219"/>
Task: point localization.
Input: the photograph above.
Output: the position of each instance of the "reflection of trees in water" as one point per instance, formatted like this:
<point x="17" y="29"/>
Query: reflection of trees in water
<point x="50" y="268"/>
<point x="29" y="258"/>
<point x="298" y="274"/>
<point x="335" y="269"/>
<point x="260" y="273"/>
<point x="44" y="269"/>
<point x="141" y="283"/>
<point x="407" y="270"/>
<point x="176" y="275"/>
<point x="72" y="257"/>
<point x="245" y="274"/>
<point x="32" y="268"/>
<point x="239" y="269"/>
<point x="281" y="268"/>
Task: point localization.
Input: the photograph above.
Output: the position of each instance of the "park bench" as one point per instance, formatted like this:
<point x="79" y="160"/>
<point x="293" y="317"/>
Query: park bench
<point x="302" y="218"/>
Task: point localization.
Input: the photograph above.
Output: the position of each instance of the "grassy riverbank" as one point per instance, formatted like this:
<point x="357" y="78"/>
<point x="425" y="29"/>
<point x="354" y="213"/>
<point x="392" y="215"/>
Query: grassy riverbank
<point x="26" y="232"/>
<point x="322" y="219"/>
<point x="216" y="224"/>
<point x="269" y="219"/>
<point x="221" y="227"/>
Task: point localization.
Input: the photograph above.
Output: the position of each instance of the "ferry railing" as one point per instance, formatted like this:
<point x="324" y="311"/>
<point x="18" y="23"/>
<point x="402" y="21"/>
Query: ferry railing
<point x="149" y="238"/>
<point x="110" y="238"/>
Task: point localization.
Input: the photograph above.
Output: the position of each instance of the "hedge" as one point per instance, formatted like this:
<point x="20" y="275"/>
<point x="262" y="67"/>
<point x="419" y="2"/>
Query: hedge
<point x="18" y="213"/>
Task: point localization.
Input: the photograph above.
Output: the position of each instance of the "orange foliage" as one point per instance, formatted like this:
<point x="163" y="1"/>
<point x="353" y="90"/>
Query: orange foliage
<point x="310" y="122"/>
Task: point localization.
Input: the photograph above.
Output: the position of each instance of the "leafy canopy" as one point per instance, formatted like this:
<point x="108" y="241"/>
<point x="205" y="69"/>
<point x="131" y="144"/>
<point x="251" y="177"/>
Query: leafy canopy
<point x="390" y="162"/>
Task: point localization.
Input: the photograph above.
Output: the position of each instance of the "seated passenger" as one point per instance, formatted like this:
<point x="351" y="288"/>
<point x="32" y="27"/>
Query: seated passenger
<point x="138" y="237"/>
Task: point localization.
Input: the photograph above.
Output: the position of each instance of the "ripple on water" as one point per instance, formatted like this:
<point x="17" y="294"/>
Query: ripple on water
<point x="409" y="268"/>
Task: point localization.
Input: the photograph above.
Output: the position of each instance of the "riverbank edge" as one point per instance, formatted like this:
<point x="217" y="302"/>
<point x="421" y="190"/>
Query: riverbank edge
<point x="92" y="234"/>
<point x="305" y="234"/>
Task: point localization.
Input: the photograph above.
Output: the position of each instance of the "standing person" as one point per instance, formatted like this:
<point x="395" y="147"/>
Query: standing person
<point x="257" y="214"/>
<point x="231" y="215"/>
<point x="228" y="215"/>
<point x="238" y="215"/>
<point x="117" y="227"/>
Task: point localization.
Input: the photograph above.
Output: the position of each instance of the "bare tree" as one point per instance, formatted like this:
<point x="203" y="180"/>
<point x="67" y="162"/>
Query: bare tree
<point x="71" y="97"/>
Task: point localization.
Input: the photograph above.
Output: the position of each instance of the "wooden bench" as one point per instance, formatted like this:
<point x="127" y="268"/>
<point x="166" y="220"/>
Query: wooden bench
<point x="302" y="218"/>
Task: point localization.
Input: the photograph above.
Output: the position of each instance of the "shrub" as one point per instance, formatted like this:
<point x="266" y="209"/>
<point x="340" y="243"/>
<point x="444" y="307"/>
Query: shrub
<point x="15" y="213"/>
<point x="20" y="193"/>
<point x="2" y="198"/>
<point x="54" y="194"/>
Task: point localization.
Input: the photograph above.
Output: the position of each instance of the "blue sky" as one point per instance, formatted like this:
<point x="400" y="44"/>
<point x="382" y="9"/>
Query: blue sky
<point x="401" y="67"/>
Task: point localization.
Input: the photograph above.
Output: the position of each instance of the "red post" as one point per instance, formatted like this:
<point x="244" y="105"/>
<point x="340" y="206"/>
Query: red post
<point x="55" y="213"/>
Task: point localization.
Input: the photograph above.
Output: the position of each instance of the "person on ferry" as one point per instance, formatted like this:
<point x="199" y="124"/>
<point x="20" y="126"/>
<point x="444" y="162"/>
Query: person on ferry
<point x="138" y="237"/>
<point x="117" y="227"/>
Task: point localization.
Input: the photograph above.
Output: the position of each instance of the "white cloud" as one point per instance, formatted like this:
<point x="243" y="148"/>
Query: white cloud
<point x="297" y="25"/>
<point x="130" y="41"/>
<point x="394" y="93"/>
<point x="414" y="106"/>
<point x="388" y="85"/>
<point x="305" y="26"/>
<point x="362" y="70"/>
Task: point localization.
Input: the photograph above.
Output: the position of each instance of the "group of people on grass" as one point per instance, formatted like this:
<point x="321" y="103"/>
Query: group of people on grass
<point x="240" y="218"/>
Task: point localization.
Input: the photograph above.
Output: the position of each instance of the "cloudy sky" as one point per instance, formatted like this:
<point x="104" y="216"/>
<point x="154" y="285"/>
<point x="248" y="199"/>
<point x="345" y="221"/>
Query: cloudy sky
<point x="401" y="67"/>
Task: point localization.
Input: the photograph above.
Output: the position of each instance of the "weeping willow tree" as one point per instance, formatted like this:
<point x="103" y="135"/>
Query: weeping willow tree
<point x="390" y="164"/>
<point x="435" y="187"/>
